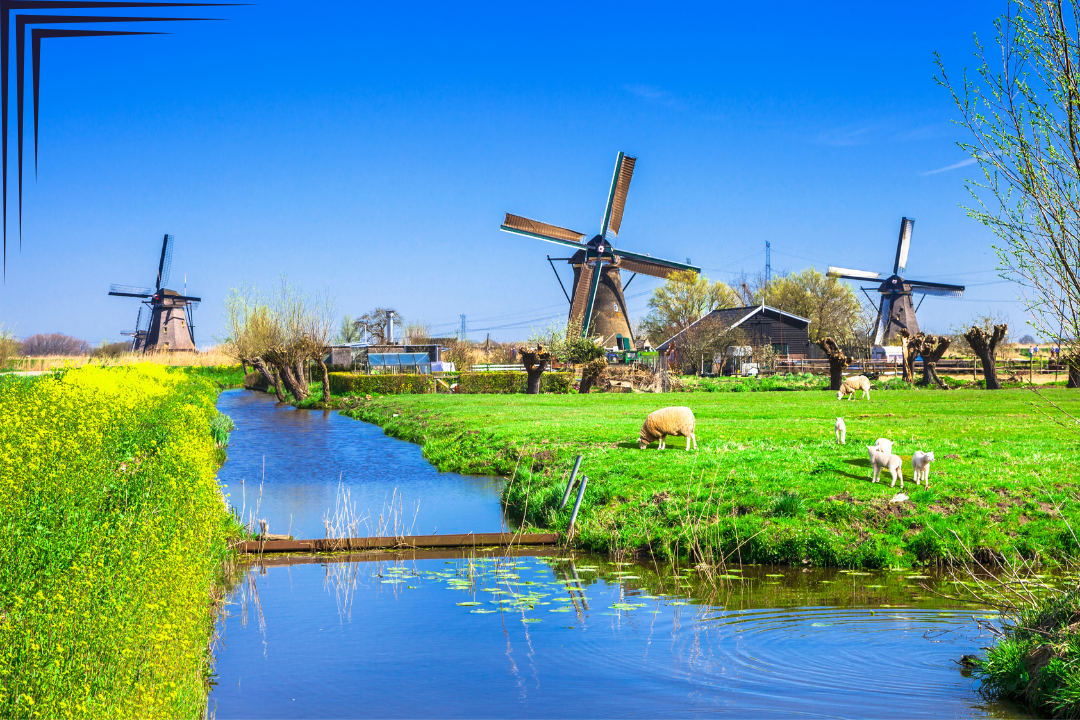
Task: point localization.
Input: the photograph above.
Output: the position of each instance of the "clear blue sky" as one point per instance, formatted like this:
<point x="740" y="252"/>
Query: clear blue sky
<point x="371" y="149"/>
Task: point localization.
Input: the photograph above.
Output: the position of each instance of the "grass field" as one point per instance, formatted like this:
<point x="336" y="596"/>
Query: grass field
<point x="769" y="482"/>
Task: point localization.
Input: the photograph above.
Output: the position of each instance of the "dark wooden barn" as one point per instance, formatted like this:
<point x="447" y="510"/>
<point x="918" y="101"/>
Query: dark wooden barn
<point x="788" y="334"/>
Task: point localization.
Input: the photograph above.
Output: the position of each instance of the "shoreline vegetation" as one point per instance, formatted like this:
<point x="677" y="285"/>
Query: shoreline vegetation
<point x="116" y="540"/>
<point x="770" y="484"/>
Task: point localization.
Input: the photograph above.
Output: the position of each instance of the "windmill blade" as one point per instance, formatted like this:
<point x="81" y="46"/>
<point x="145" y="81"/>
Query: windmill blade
<point x="130" y="291"/>
<point x="936" y="289"/>
<point x="144" y="320"/>
<point x="189" y="298"/>
<point x="594" y="283"/>
<point x="165" y="263"/>
<point x="626" y="257"/>
<point x="845" y="273"/>
<point x="542" y="231"/>
<point x="620" y="186"/>
<point x="652" y="269"/>
<point x="884" y="310"/>
<point x="903" y="245"/>
<point x="582" y="296"/>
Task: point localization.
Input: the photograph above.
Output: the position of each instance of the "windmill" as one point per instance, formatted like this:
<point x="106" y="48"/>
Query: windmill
<point x="597" y="303"/>
<point x="166" y="323"/>
<point x="896" y="311"/>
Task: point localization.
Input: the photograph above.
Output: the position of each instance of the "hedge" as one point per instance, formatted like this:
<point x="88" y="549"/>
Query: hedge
<point x="353" y="383"/>
<point x="512" y="382"/>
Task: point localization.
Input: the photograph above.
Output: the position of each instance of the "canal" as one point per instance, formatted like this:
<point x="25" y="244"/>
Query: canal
<point x="543" y="633"/>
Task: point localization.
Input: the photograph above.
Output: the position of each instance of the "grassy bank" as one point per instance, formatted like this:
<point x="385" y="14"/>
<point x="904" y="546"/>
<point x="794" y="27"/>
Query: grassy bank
<point x="769" y="483"/>
<point x="113" y="540"/>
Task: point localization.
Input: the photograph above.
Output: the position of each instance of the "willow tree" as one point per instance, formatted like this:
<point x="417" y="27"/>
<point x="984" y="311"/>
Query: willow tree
<point x="1022" y="108"/>
<point x="279" y="335"/>
<point x="684" y="298"/>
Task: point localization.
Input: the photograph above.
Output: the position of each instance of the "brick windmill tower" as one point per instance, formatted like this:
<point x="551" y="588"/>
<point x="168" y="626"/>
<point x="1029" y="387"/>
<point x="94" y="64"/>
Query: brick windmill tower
<point x="168" y="325"/>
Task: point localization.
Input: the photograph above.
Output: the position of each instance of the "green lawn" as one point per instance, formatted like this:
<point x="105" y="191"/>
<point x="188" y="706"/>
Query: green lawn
<point x="769" y="483"/>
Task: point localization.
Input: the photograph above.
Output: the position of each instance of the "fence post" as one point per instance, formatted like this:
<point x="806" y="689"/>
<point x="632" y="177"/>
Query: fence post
<point x="577" y="504"/>
<point x="570" y="485"/>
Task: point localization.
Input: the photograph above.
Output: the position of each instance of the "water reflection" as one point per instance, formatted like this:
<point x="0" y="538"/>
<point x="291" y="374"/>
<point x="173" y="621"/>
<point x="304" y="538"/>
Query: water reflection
<point x="288" y="463"/>
<point x="441" y="634"/>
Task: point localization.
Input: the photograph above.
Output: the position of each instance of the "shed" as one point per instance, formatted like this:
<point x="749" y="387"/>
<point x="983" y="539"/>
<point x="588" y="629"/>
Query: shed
<point x="788" y="334"/>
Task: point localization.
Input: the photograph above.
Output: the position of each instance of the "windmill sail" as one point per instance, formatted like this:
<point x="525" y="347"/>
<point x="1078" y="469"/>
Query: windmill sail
<point x="903" y="245"/>
<point x="130" y="291"/>
<point x="542" y="231"/>
<point x="620" y="186"/>
<point x="165" y="264"/>
<point x="839" y="272"/>
<point x="647" y="265"/>
<point x="936" y="289"/>
<point x="580" y="301"/>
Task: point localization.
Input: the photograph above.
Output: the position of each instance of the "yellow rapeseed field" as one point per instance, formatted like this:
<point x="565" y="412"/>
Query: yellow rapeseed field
<point x="113" y="534"/>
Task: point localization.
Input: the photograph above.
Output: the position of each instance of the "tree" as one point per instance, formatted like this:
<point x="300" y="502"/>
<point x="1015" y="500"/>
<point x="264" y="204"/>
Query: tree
<point x="703" y="342"/>
<point x="831" y="305"/>
<point x="1023" y="112"/>
<point x="838" y="361"/>
<point x="9" y="346"/>
<point x="376" y="324"/>
<point x="985" y="346"/>
<point x="682" y="300"/>
<point x="44" y="344"/>
<point x="933" y="347"/>
<point x="348" y="332"/>
<point x="535" y="361"/>
<point x="984" y="321"/>
<point x="280" y="335"/>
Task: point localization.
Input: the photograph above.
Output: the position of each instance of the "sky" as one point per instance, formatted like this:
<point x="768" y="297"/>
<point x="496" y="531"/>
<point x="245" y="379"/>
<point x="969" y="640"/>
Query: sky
<point x="370" y="150"/>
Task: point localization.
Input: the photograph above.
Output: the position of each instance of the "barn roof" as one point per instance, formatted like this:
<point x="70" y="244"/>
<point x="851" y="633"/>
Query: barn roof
<point x="734" y="317"/>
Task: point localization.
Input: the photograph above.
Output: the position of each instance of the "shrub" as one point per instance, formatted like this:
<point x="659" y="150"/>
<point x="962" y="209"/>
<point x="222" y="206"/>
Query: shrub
<point x="583" y="350"/>
<point x="114" y="537"/>
<point x="53" y="344"/>
<point x="357" y="384"/>
<point x="501" y="383"/>
<point x="220" y="427"/>
<point x="110" y="350"/>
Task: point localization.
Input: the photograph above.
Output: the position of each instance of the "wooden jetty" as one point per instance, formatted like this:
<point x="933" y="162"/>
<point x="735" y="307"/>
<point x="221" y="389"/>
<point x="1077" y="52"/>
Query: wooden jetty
<point x="471" y="540"/>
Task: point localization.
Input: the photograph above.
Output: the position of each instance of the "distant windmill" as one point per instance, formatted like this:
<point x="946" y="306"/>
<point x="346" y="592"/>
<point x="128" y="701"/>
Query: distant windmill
<point x="896" y="311"/>
<point x="597" y="303"/>
<point x="168" y="325"/>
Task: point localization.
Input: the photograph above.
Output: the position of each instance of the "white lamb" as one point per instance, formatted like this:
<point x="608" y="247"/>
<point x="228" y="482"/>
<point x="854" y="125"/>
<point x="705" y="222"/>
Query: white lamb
<point x="880" y="459"/>
<point x="853" y="385"/>
<point x="920" y="466"/>
<point x="841" y="431"/>
<point x="677" y="421"/>
<point x="884" y="445"/>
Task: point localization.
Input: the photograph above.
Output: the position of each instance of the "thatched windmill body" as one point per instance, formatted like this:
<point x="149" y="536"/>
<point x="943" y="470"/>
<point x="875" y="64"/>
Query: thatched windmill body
<point x="896" y="311"/>
<point x="168" y="322"/>
<point x="597" y="302"/>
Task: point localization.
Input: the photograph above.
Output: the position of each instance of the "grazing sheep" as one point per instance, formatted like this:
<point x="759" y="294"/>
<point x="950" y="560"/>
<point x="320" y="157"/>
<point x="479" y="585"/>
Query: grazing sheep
<point x="880" y="459"/>
<point x="920" y="466"/>
<point x="841" y="431"/>
<point x="853" y="385"/>
<point x="678" y="421"/>
<point x="884" y="445"/>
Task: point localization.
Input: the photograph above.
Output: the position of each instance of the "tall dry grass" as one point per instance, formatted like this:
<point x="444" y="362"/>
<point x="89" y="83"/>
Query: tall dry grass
<point x="213" y="356"/>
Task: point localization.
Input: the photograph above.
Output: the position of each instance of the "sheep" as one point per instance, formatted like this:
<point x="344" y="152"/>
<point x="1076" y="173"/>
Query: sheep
<point x="884" y="445"/>
<point x="920" y="466"/>
<point x="677" y="421"/>
<point x="880" y="459"/>
<point x="841" y="431"/>
<point x="852" y="385"/>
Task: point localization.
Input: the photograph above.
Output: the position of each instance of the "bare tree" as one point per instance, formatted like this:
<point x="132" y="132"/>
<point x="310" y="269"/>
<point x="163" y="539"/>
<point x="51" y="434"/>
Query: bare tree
<point x="376" y="324"/>
<point x="1023" y="112"/>
<point x="984" y="345"/>
<point x="44" y="344"/>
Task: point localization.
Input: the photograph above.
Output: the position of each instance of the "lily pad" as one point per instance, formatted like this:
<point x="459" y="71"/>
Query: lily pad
<point x="531" y="620"/>
<point x="468" y="604"/>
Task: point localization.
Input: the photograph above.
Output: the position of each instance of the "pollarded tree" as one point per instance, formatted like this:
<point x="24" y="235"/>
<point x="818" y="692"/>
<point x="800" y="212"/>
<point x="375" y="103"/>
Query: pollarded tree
<point x="984" y="345"/>
<point x="1022" y="109"/>
<point x="535" y="360"/>
<point x="838" y="361"/>
<point x="933" y="348"/>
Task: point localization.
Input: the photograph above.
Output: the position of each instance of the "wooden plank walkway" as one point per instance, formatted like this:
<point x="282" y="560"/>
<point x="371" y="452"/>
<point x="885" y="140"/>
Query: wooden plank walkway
<point x="409" y="541"/>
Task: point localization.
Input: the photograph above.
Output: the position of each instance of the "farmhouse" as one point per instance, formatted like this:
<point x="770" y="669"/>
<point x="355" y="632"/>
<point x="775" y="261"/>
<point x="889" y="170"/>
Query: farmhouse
<point x="788" y="334"/>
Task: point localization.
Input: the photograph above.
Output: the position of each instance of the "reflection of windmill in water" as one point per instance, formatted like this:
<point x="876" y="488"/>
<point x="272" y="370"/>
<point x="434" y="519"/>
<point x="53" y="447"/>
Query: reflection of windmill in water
<point x="597" y="303"/>
<point x="896" y="311"/>
<point x="166" y="321"/>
